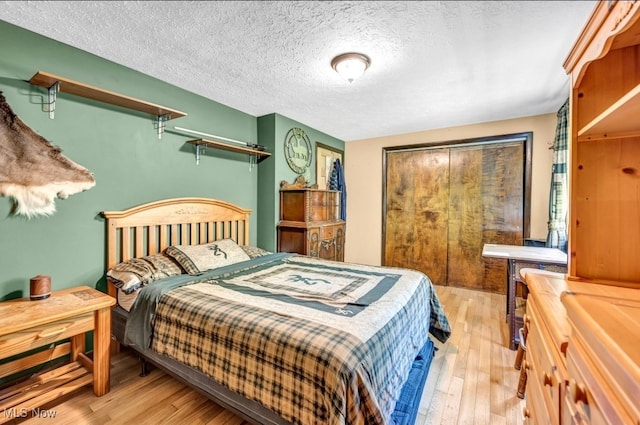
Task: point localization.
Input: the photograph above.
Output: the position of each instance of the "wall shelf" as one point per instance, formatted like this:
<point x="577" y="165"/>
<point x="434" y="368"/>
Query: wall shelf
<point x="257" y="153"/>
<point x="56" y="83"/>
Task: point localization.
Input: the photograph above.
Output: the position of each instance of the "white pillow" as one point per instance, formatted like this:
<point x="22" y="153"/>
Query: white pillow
<point x="196" y="259"/>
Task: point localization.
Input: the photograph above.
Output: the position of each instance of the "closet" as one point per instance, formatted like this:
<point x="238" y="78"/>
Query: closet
<point x="443" y="202"/>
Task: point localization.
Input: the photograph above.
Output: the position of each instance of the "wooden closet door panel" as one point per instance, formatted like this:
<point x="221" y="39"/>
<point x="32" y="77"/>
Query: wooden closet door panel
<point x="465" y="266"/>
<point x="485" y="206"/>
<point x="503" y="207"/>
<point x="503" y="195"/>
<point x="416" y="219"/>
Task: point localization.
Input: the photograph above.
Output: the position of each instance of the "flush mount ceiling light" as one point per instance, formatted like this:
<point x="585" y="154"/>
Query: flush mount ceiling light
<point x="350" y="65"/>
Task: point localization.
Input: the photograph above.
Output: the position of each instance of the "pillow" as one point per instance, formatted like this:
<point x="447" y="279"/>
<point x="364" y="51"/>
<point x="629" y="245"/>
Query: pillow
<point x="254" y="251"/>
<point x="137" y="272"/>
<point x="196" y="259"/>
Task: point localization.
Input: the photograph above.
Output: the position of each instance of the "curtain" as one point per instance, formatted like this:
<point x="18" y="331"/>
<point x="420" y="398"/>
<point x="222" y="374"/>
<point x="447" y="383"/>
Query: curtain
<point x="336" y="182"/>
<point x="558" y="200"/>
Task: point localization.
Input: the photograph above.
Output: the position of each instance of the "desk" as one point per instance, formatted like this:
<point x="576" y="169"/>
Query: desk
<point x="519" y="257"/>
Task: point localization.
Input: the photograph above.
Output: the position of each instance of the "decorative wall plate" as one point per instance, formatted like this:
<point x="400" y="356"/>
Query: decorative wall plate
<point x="297" y="150"/>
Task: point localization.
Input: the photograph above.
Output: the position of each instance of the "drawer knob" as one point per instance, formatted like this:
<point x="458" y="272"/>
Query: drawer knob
<point x="526" y="413"/>
<point x="547" y="380"/>
<point x="578" y="392"/>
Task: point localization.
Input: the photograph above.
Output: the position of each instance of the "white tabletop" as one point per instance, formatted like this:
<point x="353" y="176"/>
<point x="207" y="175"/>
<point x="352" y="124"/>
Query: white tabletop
<point x="525" y="253"/>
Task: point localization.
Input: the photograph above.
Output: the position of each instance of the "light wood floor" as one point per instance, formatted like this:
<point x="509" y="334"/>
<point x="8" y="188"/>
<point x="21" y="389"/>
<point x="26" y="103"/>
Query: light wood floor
<point x="471" y="381"/>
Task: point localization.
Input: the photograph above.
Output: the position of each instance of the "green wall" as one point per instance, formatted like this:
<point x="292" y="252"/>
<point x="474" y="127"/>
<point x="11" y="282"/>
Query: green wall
<point x="272" y="130"/>
<point x="267" y="171"/>
<point x="120" y="146"/>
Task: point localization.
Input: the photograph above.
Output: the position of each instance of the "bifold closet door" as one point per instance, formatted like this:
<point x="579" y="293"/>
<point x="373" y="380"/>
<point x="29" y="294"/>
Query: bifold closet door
<point x="443" y="204"/>
<point x="416" y="222"/>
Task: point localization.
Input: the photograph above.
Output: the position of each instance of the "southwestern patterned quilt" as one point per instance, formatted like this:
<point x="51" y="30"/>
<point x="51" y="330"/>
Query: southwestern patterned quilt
<point x="317" y="342"/>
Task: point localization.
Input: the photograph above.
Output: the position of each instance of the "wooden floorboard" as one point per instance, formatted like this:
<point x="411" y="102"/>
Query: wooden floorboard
<point x="471" y="381"/>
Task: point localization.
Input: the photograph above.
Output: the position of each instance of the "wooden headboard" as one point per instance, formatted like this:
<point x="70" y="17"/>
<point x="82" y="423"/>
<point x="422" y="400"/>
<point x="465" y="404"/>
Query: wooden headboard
<point x="149" y="228"/>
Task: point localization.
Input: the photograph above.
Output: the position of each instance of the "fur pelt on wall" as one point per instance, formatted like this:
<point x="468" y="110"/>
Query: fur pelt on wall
<point x="33" y="172"/>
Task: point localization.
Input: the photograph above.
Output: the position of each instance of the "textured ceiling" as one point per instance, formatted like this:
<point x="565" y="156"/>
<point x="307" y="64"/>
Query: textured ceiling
<point x="434" y="64"/>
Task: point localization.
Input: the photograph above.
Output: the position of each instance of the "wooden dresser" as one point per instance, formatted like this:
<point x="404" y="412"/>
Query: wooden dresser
<point x="583" y="350"/>
<point x="603" y="358"/>
<point x="310" y="223"/>
<point x="547" y="338"/>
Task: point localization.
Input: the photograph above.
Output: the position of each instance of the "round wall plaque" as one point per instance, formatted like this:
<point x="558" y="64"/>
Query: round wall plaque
<point x="297" y="150"/>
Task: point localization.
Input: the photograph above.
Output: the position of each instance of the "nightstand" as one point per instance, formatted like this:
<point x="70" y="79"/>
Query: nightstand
<point x="66" y="314"/>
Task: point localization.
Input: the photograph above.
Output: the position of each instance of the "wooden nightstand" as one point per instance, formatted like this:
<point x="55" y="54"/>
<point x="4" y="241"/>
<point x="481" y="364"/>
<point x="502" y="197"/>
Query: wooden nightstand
<point x="66" y="314"/>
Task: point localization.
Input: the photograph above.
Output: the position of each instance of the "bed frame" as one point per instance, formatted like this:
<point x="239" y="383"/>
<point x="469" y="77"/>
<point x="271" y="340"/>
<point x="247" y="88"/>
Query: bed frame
<point x="150" y="228"/>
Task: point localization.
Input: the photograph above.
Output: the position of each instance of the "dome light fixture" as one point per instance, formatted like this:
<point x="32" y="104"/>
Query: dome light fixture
<point x="350" y="65"/>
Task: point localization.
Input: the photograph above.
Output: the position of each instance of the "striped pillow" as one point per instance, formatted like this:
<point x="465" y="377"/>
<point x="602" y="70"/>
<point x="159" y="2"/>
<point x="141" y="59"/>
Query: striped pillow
<point x="138" y="272"/>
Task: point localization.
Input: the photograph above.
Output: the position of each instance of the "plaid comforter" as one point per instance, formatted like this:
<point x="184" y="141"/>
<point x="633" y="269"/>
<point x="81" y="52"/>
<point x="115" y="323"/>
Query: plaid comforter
<point x="317" y="342"/>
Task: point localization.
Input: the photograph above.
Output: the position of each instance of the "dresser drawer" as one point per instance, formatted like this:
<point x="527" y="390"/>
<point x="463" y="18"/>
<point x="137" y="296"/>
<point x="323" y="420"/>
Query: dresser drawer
<point x="573" y="412"/>
<point x="19" y="342"/>
<point x="606" y="329"/>
<point x="547" y="367"/>
<point x="328" y="232"/>
<point x="536" y="405"/>
<point x="589" y="393"/>
<point x="332" y="231"/>
<point x="542" y="374"/>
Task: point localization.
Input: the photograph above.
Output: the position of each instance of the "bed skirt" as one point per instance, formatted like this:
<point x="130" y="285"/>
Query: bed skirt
<point x="406" y="409"/>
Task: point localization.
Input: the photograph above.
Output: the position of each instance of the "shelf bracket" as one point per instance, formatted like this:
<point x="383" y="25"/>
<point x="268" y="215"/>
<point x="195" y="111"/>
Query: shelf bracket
<point x="199" y="150"/>
<point x="51" y="106"/>
<point x="161" y="123"/>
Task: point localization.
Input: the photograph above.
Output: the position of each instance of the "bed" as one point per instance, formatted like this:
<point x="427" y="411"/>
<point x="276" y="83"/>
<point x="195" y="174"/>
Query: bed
<point x="277" y="338"/>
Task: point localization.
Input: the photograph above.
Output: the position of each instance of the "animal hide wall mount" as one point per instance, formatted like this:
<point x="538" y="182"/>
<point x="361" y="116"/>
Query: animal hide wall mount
<point x="33" y="172"/>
